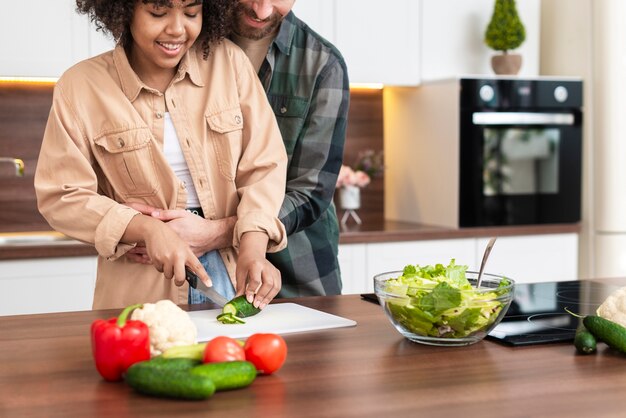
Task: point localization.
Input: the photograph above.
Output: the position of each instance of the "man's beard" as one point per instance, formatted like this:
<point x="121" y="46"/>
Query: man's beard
<point x="246" y="31"/>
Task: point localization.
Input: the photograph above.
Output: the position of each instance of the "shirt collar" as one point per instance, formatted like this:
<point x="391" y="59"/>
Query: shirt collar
<point x="286" y="33"/>
<point x="132" y="85"/>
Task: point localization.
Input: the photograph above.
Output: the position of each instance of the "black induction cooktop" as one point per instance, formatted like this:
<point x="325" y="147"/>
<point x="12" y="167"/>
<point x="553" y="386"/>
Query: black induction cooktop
<point x="537" y="314"/>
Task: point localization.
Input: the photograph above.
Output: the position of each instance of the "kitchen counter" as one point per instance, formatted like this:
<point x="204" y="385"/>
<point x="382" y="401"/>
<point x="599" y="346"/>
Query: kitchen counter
<point x="374" y="231"/>
<point x="390" y="231"/>
<point x="46" y="369"/>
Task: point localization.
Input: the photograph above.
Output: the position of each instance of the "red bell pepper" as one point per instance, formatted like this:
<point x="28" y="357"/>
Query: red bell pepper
<point x="118" y="343"/>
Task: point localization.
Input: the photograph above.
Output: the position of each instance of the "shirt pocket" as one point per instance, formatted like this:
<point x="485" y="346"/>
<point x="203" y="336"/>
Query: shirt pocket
<point x="226" y="134"/>
<point x="127" y="159"/>
<point x="290" y="112"/>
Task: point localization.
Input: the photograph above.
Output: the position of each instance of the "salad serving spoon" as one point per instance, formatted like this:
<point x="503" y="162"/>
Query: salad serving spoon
<point x="488" y="248"/>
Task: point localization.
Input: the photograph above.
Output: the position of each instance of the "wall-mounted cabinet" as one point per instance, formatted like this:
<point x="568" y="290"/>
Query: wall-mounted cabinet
<point x="400" y="42"/>
<point x="45" y="38"/>
<point x="405" y="42"/>
<point x="379" y="42"/>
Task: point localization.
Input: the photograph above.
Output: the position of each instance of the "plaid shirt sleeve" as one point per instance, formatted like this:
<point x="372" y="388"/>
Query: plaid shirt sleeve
<point x="318" y="152"/>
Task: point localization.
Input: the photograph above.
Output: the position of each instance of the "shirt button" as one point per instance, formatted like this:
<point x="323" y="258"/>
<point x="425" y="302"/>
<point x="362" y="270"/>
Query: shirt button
<point x="237" y="119"/>
<point x="159" y="115"/>
<point x="283" y="109"/>
<point x="120" y="142"/>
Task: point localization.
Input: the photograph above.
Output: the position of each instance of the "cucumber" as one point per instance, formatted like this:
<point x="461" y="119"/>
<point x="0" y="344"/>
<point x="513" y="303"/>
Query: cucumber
<point x="193" y="351"/>
<point x="614" y="335"/>
<point x="584" y="341"/>
<point x="171" y="383"/>
<point x="240" y="307"/>
<point x="162" y="363"/>
<point x="236" y="308"/>
<point x="228" y="375"/>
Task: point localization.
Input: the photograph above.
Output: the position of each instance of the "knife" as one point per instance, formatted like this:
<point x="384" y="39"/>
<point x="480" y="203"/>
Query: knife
<point x="207" y="291"/>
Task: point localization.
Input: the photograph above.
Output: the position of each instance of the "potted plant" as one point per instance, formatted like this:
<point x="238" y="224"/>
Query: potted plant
<point x="369" y="164"/>
<point x="504" y="33"/>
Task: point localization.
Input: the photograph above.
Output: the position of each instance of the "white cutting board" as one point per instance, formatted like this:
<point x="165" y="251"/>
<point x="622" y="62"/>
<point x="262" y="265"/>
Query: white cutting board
<point x="281" y="318"/>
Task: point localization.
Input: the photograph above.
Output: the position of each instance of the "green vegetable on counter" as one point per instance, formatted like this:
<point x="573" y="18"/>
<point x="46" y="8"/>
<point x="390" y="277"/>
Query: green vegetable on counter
<point x="609" y="332"/>
<point x="228" y="375"/>
<point x="236" y="309"/>
<point x="441" y="302"/>
<point x="171" y="378"/>
<point x="584" y="341"/>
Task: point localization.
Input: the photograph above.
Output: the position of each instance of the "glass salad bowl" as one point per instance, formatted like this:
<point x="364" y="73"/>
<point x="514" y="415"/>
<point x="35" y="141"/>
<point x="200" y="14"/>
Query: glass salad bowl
<point x="444" y="311"/>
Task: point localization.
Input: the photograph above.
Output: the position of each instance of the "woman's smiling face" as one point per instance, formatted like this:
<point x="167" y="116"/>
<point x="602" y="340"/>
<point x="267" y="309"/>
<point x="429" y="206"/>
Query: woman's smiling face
<point x="162" y="36"/>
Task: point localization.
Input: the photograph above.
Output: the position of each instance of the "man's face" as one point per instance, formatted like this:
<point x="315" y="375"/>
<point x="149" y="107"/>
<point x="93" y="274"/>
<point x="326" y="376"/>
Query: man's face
<point x="255" y="19"/>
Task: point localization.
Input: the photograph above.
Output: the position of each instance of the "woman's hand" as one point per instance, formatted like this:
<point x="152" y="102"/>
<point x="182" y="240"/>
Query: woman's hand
<point x="166" y="250"/>
<point x="256" y="277"/>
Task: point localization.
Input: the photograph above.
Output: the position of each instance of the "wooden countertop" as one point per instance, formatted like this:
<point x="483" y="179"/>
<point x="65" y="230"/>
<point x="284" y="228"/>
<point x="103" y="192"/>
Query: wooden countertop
<point x="389" y="231"/>
<point x="46" y="369"/>
<point x="370" y="232"/>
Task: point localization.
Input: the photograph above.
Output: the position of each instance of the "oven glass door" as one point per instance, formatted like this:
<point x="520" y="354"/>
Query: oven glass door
<point x="520" y="168"/>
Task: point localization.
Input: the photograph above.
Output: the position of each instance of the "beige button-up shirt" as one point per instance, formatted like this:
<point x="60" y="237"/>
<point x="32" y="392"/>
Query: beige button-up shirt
<point x="103" y="147"/>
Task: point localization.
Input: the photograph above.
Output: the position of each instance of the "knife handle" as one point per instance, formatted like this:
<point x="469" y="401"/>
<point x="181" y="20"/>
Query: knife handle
<point x="191" y="277"/>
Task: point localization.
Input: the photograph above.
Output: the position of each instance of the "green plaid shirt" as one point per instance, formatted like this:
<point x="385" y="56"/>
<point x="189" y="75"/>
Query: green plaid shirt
<point x="306" y="81"/>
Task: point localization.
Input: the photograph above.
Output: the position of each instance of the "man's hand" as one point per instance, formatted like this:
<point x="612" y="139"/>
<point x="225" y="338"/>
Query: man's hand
<point x="202" y="235"/>
<point x="256" y="277"/>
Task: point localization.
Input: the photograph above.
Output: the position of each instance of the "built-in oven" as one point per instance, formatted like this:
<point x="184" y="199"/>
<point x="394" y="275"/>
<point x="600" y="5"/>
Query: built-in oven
<point x="520" y="151"/>
<point x="483" y="151"/>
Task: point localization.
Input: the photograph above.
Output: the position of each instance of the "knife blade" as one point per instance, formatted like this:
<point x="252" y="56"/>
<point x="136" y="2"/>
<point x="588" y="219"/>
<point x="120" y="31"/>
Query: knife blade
<point x="209" y="292"/>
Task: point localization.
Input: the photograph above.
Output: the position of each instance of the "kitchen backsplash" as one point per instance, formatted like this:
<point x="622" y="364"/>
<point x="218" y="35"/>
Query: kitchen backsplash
<point x="24" y="109"/>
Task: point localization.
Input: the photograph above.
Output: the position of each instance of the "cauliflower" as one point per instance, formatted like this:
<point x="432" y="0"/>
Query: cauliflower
<point x="614" y="307"/>
<point x="169" y="325"/>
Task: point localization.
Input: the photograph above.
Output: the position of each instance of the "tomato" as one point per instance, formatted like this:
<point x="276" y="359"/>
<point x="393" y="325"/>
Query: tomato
<point x="266" y="351"/>
<point x="223" y="349"/>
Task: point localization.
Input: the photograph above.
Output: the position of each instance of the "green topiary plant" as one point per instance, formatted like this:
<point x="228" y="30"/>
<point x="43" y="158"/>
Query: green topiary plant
<point x="505" y="30"/>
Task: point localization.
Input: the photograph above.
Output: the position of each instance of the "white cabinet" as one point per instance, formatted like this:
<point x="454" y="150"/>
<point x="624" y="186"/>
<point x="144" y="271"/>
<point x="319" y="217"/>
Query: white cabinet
<point x="379" y="42"/>
<point x="452" y="33"/>
<point x="398" y="42"/>
<point x="533" y="258"/>
<point x="352" y="264"/>
<point x="45" y="38"/>
<point x="405" y="42"/>
<point x="383" y="257"/>
<point x="47" y="285"/>
<point x="527" y="258"/>
<point x="318" y="15"/>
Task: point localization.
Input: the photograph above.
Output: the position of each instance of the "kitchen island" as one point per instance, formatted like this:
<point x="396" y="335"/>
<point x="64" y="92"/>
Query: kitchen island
<point x="46" y="369"/>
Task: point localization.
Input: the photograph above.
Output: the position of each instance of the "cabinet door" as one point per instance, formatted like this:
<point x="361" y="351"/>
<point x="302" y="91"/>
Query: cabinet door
<point x="352" y="265"/>
<point x="452" y="38"/>
<point x="533" y="258"/>
<point x="319" y="15"/>
<point x="47" y="285"/>
<point x="40" y="38"/>
<point x="383" y="257"/>
<point x="379" y="40"/>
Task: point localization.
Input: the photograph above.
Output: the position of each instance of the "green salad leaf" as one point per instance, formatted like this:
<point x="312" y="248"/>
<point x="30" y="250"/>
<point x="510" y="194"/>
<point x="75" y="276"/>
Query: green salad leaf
<point x="439" y="301"/>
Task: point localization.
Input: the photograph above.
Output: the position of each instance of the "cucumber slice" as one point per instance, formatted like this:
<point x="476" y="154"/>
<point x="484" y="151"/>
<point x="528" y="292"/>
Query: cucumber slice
<point x="236" y="308"/>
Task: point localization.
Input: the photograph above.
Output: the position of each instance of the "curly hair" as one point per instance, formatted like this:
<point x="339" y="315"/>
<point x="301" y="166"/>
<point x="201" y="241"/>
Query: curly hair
<point x="114" y="17"/>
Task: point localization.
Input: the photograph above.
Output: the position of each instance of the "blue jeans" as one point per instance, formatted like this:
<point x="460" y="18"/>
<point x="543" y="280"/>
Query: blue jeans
<point x="213" y="264"/>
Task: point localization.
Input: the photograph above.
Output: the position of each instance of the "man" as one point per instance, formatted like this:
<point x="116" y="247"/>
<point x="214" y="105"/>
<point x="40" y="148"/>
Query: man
<point x="306" y="82"/>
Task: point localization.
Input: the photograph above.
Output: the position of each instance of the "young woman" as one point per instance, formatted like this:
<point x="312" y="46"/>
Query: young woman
<point x="174" y="117"/>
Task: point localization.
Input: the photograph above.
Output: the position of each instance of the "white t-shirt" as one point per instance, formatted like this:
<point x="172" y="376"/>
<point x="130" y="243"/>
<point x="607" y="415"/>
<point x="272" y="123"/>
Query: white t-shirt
<point x="176" y="159"/>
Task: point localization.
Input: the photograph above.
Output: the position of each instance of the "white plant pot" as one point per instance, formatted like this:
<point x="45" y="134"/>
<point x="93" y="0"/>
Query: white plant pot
<point x="350" y="197"/>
